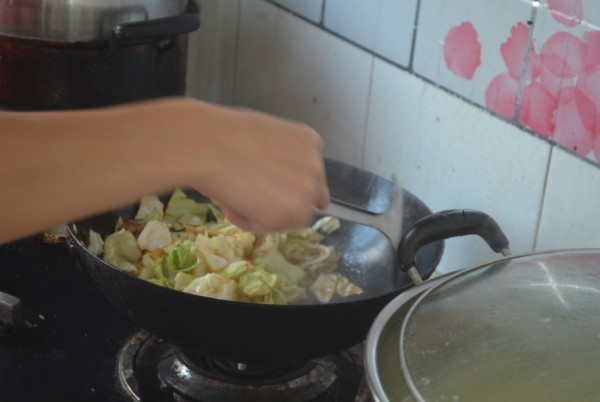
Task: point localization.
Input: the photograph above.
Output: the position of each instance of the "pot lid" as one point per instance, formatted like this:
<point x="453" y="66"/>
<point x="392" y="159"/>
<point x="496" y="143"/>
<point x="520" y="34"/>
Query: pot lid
<point x="522" y="328"/>
<point x="79" y="20"/>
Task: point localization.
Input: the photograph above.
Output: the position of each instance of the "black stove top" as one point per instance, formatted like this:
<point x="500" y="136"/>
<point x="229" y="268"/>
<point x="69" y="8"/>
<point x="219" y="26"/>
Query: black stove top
<point x="72" y="344"/>
<point x="67" y="346"/>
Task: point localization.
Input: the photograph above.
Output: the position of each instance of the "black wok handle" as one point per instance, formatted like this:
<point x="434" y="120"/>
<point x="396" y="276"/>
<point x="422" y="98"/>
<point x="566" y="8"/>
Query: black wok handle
<point x="174" y="25"/>
<point x="444" y="225"/>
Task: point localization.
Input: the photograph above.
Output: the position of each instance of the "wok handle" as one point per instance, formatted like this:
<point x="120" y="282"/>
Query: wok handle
<point x="444" y="225"/>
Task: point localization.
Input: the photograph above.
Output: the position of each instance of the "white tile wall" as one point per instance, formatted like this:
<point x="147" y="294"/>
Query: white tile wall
<point x="293" y="69"/>
<point x="570" y="216"/>
<point x="454" y="155"/>
<point x="310" y="9"/>
<point x="211" y="58"/>
<point x="384" y="26"/>
<point x="491" y="19"/>
<point x="449" y="153"/>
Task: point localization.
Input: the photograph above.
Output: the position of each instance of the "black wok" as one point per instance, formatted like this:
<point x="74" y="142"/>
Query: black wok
<point x="253" y="333"/>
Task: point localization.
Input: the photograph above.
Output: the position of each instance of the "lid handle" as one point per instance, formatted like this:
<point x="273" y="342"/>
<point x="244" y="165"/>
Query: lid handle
<point x="444" y="225"/>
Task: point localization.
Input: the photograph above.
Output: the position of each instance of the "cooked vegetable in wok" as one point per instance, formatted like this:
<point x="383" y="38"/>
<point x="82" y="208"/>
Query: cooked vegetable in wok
<point x="190" y="246"/>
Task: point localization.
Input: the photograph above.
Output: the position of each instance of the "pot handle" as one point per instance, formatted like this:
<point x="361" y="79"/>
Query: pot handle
<point x="444" y="225"/>
<point x="175" y="25"/>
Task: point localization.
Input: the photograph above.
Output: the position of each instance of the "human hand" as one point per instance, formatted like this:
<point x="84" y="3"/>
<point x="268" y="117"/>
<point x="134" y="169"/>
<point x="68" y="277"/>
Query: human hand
<point x="266" y="173"/>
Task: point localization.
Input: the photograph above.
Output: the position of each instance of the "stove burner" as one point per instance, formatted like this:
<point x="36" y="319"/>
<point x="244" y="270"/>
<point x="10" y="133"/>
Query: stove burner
<point x="153" y="370"/>
<point x="250" y="374"/>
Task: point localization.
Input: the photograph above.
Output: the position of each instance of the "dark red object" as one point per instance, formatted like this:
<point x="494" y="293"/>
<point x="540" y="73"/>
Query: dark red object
<point x="142" y="60"/>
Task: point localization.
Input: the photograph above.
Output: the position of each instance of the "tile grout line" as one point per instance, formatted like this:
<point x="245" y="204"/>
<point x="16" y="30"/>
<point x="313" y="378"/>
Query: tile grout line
<point x="525" y="67"/>
<point x="414" y="36"/>
<point x="322" y="19"/>
<point x="542" y="200"/>
<point x="367" y="114"/>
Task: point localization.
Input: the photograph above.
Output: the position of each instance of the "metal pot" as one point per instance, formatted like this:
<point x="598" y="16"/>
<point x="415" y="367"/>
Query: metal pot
<point x="59" y="54"/>
<point x="523" y="328"/>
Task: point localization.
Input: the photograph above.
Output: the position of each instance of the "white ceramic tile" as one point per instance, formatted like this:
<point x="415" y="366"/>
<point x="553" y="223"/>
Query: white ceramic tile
<point x="310" y="9"/>
<point x="575" y="63"/>
<point x="570" y="214"/>
<point x="453" y="155"/>
<point x="289" y="67"/>
<point x="491" y="20"/>
<point x="384" y="26"/>
<point x="211" y="58"/>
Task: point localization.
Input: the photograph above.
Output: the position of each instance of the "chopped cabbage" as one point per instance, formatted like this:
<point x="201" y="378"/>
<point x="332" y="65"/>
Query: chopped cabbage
<point x="346" y="288"/>
<point x="181" y="207"/>
<point x="182" y="280"/>
<point x="154" y="235"/>
<point x="191" y="247"/>
<point x="327" y="285"/>
<point x="327" y="224"/>
<point x="213" y="285"/>
<point x="257" y="283"/>
<point x="122" y="251"/>
<point x="183" y="257"/>
<point x="151" y="209"/>
<point x="324" y="287"/>
<point x="236" y="269"/>
<point x="276" y="264"/>
<point x="95" y="244"/>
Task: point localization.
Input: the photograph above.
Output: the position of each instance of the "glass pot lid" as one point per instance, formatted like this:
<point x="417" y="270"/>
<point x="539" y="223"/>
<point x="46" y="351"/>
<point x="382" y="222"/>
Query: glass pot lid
<point x="79" y="20"/>
<point x="522" y="328"/>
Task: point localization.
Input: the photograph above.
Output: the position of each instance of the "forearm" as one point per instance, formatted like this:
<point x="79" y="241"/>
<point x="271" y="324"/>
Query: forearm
<point x="62" y="166"/>
<point x="267" y="173"/>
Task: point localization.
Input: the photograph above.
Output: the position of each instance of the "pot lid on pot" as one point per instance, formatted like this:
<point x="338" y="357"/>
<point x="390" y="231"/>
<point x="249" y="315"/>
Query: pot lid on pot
<point x="522" y="328"/>
<point x="79" y="20"/>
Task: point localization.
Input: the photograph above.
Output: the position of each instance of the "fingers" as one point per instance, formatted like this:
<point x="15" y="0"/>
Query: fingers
<point x="279" y="211"/>
<point x="270" y="222"/>
<point x="274" y="175"/>
<point x="241" y="221"/>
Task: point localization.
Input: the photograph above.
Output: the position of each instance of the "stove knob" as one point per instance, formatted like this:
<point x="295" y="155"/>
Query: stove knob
<point x="11" y="313"/>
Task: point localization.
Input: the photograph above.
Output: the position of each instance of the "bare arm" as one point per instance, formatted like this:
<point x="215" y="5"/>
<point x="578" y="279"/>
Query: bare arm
<point x="55" y="167"/>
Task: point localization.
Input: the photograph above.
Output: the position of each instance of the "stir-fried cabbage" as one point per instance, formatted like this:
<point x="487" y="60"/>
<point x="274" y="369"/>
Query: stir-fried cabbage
<point x="191" y="247"/>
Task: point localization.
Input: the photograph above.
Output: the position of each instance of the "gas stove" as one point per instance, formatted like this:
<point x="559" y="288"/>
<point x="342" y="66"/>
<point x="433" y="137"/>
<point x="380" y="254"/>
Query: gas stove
<point x="71" y="345"/>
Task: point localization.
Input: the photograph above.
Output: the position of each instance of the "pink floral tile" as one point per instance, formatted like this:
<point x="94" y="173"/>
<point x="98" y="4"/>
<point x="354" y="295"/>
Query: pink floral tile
<point x="542" y="71"/>
<point x="461" y="47"/>
<point x="561" y="97"/>
<point x="462" y="50"/>
<point x="519" y="59"/>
